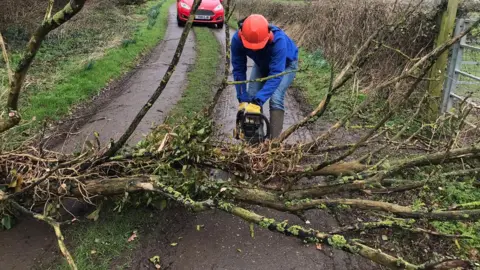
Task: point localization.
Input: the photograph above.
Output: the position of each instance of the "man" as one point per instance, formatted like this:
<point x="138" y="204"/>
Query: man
<point x="273" y="52"/>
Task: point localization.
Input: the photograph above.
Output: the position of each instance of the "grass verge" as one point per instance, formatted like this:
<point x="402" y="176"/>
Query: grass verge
<point x="202" y="79"/>
<point x="68" y="71"/>
<point x="97" y="244"/>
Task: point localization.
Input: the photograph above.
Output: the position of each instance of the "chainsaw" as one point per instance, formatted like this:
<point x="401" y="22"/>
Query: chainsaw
<point x="250" y="127"/>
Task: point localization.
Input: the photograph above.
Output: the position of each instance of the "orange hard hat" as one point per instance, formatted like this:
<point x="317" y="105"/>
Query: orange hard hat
<point x="255" y="32"/>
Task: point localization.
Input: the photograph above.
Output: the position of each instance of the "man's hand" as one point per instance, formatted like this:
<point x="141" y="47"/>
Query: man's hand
<point x="242" y="106"/>
<point x="253" y="108"/>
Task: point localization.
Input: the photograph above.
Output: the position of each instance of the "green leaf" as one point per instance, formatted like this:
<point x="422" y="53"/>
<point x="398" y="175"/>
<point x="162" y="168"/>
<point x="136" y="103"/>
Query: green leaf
<point x="7" y="222"/>
<point x="173" y="244"/>
<point x="155" y="259"/>
<point x="163" y="205"/>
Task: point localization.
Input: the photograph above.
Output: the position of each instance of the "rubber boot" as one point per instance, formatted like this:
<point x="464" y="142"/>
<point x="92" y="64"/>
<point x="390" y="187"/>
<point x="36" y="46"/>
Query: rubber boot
<point x="276" y="122"/>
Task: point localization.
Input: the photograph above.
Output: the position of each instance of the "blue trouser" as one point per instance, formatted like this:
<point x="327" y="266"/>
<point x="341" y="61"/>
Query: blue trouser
<point x="278" y="97"/>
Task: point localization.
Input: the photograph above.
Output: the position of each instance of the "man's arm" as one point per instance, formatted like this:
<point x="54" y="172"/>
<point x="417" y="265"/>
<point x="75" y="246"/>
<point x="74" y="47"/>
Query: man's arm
<point x="276" y="66"/>
<point x="239" y="65"/>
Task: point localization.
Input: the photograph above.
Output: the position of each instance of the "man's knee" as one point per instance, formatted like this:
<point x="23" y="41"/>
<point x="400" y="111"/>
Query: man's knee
<point x="277" y="102"/>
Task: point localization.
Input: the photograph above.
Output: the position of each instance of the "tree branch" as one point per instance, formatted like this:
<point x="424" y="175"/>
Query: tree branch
<point x="168" y="74"/>
<point x="6" y="59"/>
<point x="56" y="227"/>
<point x="13" y="117"/>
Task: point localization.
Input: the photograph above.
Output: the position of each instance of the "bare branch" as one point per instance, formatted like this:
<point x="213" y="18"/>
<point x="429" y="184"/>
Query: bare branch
<point x="13" y="117"/>
<point x="56" y="227"/>
<point x="168" y="74"/>
<point x="6" y="59"/>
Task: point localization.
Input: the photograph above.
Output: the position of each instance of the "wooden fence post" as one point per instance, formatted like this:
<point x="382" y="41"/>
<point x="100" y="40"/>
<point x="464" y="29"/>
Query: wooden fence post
<point x="438" y="71"/>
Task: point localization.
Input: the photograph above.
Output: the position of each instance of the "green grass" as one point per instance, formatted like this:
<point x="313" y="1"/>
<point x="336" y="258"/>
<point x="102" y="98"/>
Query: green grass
<point x="96" y="245"/>
<point x="202" y="79"/>
<point x="314" y="81"/>
<point x="71" y="79"/>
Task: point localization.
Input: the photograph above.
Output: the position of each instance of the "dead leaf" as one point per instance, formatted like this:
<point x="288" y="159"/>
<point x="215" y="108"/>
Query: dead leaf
<point x="239" y="250"/>
<point x="319" y="246"/>
<point x="93" y="252"/>
<point x="94" y="215"/>
<point x="384" y="237"/>
<point x="132" y="237"/>
<point x="18" y="187"/>
<point x="162" y="145"/>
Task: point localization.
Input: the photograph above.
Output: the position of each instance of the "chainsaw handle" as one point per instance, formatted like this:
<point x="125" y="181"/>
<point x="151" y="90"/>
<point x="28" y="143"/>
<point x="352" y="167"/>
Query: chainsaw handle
<point x="264" y="118"/>
<point x="268" y="126"/>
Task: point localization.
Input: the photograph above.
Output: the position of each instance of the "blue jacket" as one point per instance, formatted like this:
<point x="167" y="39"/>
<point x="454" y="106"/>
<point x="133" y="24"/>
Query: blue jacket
<point x="271" y="60"/>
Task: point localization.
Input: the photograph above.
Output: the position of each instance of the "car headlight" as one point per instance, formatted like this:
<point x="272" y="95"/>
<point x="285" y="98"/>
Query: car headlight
<point x="185" y="6"/>
<point x="219" y="7"/>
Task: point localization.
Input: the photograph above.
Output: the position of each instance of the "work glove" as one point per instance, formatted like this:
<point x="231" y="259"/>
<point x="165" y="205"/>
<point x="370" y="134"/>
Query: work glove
<point x="242" y="106"/>
<point x="253" y="108"/>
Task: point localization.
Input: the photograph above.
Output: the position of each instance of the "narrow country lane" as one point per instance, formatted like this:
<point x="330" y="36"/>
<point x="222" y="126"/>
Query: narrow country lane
<point x="112" y="120"/>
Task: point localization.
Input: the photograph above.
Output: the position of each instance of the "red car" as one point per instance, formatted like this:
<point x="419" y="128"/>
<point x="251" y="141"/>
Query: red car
<point x="210" y="12"/>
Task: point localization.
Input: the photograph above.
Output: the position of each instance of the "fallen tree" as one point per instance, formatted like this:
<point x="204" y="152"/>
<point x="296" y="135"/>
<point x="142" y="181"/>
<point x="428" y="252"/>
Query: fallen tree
<point x="175" y="161"/>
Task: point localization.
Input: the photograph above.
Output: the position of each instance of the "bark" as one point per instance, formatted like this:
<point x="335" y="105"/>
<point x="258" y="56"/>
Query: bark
<point x="50" y="24"/>
<point x="434" y="159"/>
<point x="335" y="241"/>
<point x="401" y="224"/>
<point x="56" y="227"/>
<point x="273" y="200"/>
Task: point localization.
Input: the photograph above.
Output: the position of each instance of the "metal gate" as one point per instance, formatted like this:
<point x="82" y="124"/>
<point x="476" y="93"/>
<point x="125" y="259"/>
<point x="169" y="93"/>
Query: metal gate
<point x="463" y="72"/>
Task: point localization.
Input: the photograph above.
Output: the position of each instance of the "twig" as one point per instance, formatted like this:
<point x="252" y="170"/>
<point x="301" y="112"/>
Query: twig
<point x="397" y="223"/>
<point x="272" y="200"/>
<point x="226" y="72"/>
<point x="427" y="59"/>
<point x="48" y="14"/>
<point x="69" y="11"/>
<point x="56" y="228"/>
<point x="263" y="79"/>
<point x="402" y="131"/>
<point x="6" y="59"/>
